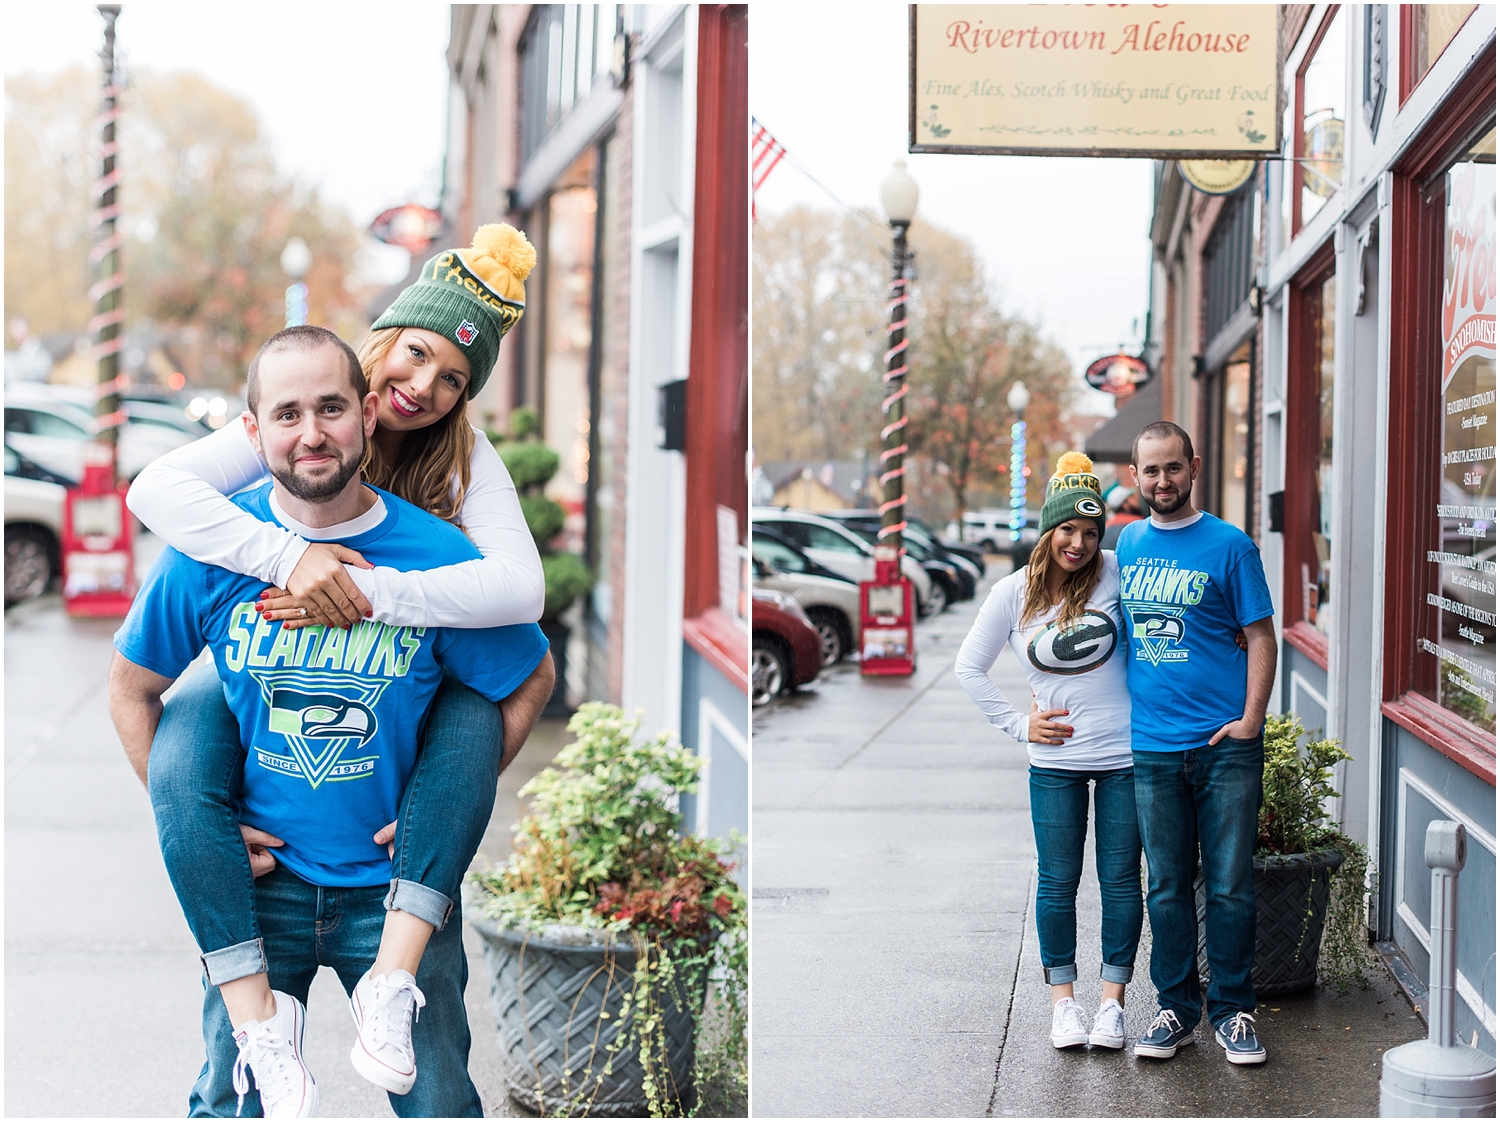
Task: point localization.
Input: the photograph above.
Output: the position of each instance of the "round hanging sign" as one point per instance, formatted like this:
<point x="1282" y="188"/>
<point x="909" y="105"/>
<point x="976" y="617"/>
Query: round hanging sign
<point x="1216" y="177"/>
<point x="1120" y="375"/>
<point x="412" y="227"/>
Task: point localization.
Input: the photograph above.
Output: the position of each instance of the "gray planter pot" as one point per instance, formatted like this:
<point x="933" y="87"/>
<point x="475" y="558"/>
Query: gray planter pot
<point x="1291" y="904"/>
<point x="548" y="990"/>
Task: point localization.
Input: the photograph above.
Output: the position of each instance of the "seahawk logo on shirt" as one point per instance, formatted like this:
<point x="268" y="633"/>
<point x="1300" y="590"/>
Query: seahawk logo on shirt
<point x="1085" y="646"/>
<point x="321" y="716"/>
<point x="1158" y="632"/>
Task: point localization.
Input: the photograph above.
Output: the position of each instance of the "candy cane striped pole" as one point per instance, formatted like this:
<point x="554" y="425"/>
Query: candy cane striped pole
<point x="893" y="409"/>
<point x="107" y="290"/>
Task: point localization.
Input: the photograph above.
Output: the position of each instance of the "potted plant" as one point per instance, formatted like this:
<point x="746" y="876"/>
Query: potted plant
<point x="604" y="929"/>
<point x="1309" y="874"/>
<point x="532" y="465"/>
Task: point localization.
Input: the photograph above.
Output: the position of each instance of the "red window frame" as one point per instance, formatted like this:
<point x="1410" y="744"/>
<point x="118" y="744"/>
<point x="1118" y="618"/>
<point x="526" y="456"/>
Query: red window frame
<point x="1299" y="134"/>
<point x="1409" y="79"/>
<point x="1302" y="437"/>
<point x="718" y="389"/>
<point x="1414" y="438"/>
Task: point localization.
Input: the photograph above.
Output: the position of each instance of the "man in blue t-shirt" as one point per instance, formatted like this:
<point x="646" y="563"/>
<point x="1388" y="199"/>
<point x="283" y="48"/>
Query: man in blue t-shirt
<point x="1188" y="583"/>
<point x="330" y="720"/>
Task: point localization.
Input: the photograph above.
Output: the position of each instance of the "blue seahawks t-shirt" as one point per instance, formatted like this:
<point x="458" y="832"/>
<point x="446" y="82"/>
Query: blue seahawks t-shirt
<point x="1184" y="594"/>
<point x="329" y="718"/>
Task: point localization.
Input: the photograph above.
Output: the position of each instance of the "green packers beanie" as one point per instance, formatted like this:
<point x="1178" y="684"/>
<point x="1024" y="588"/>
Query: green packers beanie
<point x="1073" y="492"/>
<point x="472" y="296"/>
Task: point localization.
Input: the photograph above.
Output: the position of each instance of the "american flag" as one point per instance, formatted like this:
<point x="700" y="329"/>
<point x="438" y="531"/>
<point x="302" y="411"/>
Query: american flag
<point x="766" y="152"/>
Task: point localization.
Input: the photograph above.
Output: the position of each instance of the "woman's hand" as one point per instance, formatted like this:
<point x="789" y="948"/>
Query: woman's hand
<point x="258" y="844"/>
<point x="1042" y="729"/>
<point x="319" y="590"/>
<point x="386" y="836"/>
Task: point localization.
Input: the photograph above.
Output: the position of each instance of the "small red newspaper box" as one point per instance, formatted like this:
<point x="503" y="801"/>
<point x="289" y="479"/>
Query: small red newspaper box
<point x="887" y="615"/>
<point x="98" y="558"/>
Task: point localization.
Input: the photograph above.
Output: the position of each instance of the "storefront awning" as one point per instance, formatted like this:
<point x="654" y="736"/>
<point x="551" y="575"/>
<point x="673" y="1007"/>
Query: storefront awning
<point x="1111" y="443"/>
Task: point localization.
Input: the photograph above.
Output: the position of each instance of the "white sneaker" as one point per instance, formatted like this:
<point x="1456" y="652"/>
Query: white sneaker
<point x="384" y="1007"/>
<point x="272" y="1052"/>
<point x="1109" y="1025"/>
<point x="1067" y="1024"/>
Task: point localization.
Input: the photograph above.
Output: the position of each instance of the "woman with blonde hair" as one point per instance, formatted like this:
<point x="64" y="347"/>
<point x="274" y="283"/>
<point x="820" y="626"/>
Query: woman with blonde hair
<point x="1061" y="617"/>
<point x="424" y="358"/>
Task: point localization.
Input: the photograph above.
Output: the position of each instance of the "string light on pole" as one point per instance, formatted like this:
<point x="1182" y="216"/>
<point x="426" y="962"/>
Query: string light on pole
<point x="296" y="259"/>
<point x="1018" y="399"/>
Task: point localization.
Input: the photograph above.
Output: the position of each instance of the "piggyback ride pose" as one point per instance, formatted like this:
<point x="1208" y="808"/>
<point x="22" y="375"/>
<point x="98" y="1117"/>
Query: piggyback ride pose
<point x="1061" y="617"/>
<point x="424" y="358"/>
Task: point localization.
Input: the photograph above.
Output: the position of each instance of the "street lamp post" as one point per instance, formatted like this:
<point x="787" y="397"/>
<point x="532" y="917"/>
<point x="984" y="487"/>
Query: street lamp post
<point x="887" y="601"/>
<point x="1018" y="399"/>
<point x="296" y="259"/>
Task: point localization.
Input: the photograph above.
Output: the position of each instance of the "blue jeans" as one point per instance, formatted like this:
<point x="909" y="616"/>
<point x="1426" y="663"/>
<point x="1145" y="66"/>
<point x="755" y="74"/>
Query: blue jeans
<point x="1203" y="799"/>
<point x="307" y="927"/>
<point x="194" y="775"/>
<point x="1060" y="819"/>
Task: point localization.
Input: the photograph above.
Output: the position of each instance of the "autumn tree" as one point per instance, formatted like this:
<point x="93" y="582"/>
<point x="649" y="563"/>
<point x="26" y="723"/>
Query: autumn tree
<point x="205" y="214"/>
<point x="820" y="289"/>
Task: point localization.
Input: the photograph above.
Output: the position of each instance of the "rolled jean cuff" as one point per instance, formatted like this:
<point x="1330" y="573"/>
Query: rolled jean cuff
<point x="232" y="963"/>
<point x="1060" y="975"/>
<point x="419" y="900"/>
<point x="1120" y="974"/>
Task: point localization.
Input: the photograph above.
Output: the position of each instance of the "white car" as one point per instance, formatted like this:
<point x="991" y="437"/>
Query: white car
<point x="990" y="529"/>
<point x="33" y="527"/>
<point x="843" y="551"/>
<point x="831" y="603"/>
<point x="51" y="431"/>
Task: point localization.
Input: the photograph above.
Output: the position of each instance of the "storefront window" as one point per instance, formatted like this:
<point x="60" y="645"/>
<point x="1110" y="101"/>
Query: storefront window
<point x="1456" y="666"/>
<point x="569" y="336"/>
<point x="1234" y="443"/>
<point x="1429" y="29"/>
<point x="1320" y="564"/>
<point x="1321" y="98"/>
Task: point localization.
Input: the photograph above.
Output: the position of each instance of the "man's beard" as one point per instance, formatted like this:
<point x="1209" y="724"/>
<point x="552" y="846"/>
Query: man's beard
<point x="316" y="491"/>
<point x="1166" y="508"/>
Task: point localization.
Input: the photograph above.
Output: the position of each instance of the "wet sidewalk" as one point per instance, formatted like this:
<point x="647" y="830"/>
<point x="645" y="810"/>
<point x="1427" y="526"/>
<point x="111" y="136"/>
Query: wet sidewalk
<point x="895" y="965"/>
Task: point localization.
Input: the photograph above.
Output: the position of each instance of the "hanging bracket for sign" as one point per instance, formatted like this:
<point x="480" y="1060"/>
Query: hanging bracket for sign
<point x="1169" y="81"/>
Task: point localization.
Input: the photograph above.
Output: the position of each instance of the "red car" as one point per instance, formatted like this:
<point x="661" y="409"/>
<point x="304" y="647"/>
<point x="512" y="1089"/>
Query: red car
<point x="786" y="651"/>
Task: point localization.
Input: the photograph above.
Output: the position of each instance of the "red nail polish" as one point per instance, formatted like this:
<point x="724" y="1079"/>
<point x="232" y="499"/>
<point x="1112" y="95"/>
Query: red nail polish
<point x="268" y="617"/>
<point x="369" y="614"/>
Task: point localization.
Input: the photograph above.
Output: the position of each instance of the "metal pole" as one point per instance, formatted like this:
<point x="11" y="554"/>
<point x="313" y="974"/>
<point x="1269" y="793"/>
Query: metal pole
<point x="107" y="291"/>
<point x="1446" y="850"/>
<point x="893" y="451"/>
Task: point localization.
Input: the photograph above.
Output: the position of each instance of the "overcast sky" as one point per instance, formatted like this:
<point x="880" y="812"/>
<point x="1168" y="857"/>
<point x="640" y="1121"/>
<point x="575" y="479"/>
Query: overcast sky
<point x="1063" y="240"/>
<point x="352" y="96"/>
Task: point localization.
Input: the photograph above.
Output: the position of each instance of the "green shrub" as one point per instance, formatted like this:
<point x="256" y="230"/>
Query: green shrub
<point x="530" y="464"/>
<point x="568" y="578"/>
<point x="544" y="517"/>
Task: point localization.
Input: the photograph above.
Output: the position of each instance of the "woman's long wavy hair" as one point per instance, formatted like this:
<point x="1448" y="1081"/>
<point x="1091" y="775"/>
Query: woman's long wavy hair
<point x="1077" y="587"/>
<point x="432" y="469"/>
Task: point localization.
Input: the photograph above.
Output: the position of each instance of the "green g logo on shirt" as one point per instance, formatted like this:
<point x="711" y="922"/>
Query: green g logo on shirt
<point x="1086" y="645"/>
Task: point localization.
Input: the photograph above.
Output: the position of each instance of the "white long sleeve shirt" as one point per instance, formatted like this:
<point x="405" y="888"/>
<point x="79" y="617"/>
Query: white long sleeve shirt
<point x="1081" y="670"/>
<point x="182" y="498"/>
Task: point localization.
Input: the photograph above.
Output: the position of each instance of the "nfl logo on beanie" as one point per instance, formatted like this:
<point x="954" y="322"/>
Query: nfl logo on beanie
<point x="466" y="332"/>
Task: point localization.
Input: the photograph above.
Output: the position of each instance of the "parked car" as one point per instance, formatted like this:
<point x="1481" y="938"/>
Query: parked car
<point x="33" y="527"/>
<point x="51" y="430"/>
<point x="844" y="551"/>
<point x="785" y="650"/>
<point x="955" y="575"/>
<point x="831" y="601"/>
<point x="990" y="530"/>
<point x="973" y="554"/>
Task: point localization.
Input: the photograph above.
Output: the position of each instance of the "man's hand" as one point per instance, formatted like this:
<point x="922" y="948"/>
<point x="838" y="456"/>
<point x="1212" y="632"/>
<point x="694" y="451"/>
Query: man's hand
<point x="135" y="704"/>
<point x="521" y="709"/>
<point x="257" y="845"/>
<point x="322" y="586"/>
<point x="1260" y="638"/>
